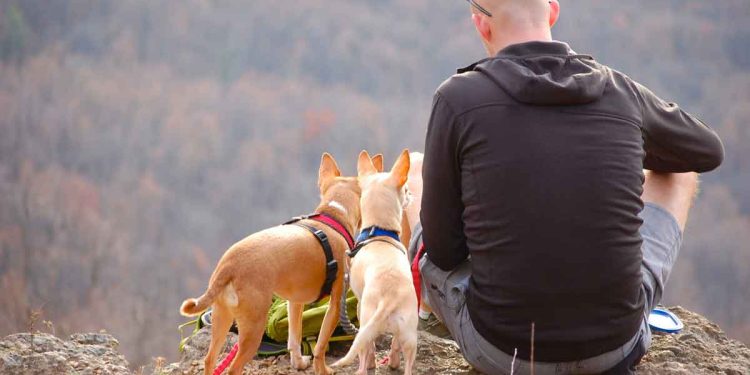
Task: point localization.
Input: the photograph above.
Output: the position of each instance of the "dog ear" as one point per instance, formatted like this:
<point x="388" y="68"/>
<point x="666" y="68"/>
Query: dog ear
<point x="377" y="161"/>
<point x="400" y="170"/>
<point x="328" y="169"/>
<point x="364" y="164"/>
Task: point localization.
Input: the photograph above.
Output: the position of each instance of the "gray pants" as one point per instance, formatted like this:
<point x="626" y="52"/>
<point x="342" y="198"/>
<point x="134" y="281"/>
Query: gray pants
<point x="447" y="295"/>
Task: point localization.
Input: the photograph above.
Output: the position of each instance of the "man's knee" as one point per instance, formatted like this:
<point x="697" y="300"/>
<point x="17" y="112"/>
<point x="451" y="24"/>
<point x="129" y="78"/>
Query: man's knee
<point x="675" y="192"/>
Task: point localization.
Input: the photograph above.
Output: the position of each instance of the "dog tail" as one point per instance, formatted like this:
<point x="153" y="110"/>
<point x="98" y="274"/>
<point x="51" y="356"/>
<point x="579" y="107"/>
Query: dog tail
<point x="367" y="333"/>
<point x="195" y="306"/>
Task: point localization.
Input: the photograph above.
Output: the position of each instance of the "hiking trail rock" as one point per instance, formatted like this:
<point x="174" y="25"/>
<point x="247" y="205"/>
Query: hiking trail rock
<point x="701" y="348"/>
<point x="41" y="353"/>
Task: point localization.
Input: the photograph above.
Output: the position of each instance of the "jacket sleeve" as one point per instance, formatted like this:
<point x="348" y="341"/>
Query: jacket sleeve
<point x="442" y="207"/>
<point x="674" y="140"/>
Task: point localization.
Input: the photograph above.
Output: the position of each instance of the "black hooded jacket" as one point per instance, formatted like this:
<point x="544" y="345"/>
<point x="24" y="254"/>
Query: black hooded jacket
<point x="534" y="166"/>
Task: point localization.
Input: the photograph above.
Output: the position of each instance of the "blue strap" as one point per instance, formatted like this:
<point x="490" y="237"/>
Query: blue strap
<point x="375" y="231"/>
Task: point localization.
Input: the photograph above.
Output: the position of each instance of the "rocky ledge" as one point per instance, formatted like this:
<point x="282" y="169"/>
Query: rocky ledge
<point x="701" y="348"/>
<point x="41" y="353"/>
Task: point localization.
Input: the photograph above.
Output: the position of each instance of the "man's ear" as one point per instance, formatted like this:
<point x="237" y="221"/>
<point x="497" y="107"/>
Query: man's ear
<point x="377" y="161"/>
<point x="364" y="165"/>
<point x="482" y="26"/>
<point x="400" y="170"/>
<point x="328" y="170"/>
<point x="554" y="12"/>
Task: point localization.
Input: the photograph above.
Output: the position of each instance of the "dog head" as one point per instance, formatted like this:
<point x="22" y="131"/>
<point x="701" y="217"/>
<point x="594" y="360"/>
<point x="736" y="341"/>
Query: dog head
<point x="339" y="193"/>
<point x="384" y="194"/>
<point x="406" y="229"/>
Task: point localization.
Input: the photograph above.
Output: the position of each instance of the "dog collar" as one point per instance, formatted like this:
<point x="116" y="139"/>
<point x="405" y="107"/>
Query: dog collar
<point x="375" y="231"/>
<point x="338" y="227"/>
<point x="374" y="234"/>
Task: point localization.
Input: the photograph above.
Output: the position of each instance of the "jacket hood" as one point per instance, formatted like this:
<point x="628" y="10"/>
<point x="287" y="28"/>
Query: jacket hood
<point x="545" y="73"/>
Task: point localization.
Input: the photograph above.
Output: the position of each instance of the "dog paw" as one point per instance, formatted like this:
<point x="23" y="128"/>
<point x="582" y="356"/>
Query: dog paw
<point x="322" y="369"/>
<point x="394" y="363"/>
<point x="301" y="362"/>
<point x="371" y="364"/>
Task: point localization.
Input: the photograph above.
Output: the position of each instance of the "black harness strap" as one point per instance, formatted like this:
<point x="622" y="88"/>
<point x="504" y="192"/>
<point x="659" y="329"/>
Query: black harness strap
<point x="295" y="219"/>
<point x="332" y="266"/>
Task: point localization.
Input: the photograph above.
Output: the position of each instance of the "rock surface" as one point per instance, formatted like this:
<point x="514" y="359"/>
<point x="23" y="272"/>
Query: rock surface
<point x="701" y="348"/>
<point x="40" y="353"/>
<point x="434" y="356"/>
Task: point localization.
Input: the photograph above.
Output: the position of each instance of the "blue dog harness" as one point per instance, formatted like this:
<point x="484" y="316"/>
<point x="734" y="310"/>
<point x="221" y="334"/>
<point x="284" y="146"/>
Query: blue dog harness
<point x="373" y="234"/>
<point x="366" y="237"/>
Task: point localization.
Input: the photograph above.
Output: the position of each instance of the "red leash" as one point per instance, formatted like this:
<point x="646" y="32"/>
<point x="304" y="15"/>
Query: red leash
<point x="225" y="363"/>
<point x="416" y="276"/>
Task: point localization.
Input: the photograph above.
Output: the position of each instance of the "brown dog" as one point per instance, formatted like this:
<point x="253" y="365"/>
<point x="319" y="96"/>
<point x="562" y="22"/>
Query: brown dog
<point x="287" y="261"/>
<point x="379" y="272"/>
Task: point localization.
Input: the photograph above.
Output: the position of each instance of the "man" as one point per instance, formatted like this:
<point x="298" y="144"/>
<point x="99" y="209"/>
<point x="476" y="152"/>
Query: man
<point x="539" y="221"/>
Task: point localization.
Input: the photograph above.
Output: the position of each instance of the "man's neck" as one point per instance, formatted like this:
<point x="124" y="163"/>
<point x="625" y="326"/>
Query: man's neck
<point x="518" y="37"/>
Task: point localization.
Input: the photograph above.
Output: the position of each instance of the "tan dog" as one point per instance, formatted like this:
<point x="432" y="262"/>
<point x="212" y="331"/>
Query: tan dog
<point x="285" y="260"/>
<point x="414" y="184"/>
<point x="412" y="211"/>
<point x="380" y="274"/>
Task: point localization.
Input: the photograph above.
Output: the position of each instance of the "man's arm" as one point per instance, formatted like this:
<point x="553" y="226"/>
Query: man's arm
<point x="674" y="140"/>
<point x="442" y="208"/>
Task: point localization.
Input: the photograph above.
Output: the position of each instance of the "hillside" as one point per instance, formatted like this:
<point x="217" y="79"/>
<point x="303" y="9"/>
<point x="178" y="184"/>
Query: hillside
<point x="140" y="139"/>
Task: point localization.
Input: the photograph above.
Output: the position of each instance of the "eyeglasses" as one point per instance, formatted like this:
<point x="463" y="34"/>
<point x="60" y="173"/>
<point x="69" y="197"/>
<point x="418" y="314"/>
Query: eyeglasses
<point x="479" y="8"/>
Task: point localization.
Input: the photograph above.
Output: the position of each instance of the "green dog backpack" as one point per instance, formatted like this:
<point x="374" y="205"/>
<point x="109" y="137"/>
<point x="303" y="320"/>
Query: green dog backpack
<point x="277" y="326"/>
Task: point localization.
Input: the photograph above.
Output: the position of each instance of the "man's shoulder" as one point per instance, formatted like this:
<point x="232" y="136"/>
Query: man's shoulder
<point x="466" y="90"/>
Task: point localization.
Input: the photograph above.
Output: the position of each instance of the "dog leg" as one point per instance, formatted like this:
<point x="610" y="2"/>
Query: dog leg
<point x="394" y="357"/>
<point x="371" y="364"/>
<point x="329" y="324"/>
<point x="366" y="358"/>
<point x="298" y="361"/>
<point x="251" y="322"/>
<point x="221" y="321"/>
<point x="370" y="353"/>
<point x="371" y="357"/>
<point x="409" y="347"/>
<point x="363" y="360"/>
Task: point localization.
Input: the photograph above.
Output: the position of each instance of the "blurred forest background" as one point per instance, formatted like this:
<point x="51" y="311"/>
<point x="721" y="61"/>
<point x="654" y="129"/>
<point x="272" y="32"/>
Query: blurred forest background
<point x="139" y="139"/>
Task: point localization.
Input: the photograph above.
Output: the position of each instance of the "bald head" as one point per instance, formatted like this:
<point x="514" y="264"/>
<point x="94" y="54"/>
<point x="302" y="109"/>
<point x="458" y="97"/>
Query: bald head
<point x="519" y="12"/>
<point x="514" y="21"/>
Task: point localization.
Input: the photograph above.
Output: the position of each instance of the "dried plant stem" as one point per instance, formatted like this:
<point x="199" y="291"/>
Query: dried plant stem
<point x="31" y="324"/>
<point x="532" y="347"/>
